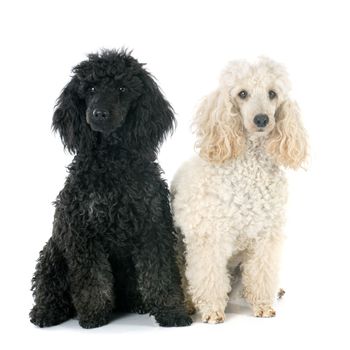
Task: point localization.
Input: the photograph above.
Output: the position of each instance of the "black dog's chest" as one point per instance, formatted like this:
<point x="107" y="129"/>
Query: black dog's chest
<point x="112" y="218"/>
<point x="112" y="205"/>
<point x="113" y="199"/>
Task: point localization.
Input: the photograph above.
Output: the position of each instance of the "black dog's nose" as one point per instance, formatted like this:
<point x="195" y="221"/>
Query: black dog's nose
<point x="261" y="120"/>
<point x="100" y="113"/>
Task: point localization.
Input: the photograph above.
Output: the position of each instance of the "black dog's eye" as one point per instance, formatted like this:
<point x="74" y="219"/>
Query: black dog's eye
<point x="272" y="94"/>
<point x="122" y="89"/>
<point x="92" y="90"/>
<point x="243" y="94"/>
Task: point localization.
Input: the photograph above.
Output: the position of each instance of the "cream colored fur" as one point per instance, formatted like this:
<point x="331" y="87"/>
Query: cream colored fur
<point x="229" y="203"/>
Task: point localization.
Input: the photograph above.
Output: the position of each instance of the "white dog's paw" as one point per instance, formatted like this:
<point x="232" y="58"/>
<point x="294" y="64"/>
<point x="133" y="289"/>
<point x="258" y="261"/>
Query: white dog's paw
<point x="214" y="317"/>
<point x="264" y="311"/>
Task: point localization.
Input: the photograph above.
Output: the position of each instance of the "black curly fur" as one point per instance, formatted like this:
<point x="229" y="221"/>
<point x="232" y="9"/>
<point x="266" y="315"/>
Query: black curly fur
<point x="112" y="246"/>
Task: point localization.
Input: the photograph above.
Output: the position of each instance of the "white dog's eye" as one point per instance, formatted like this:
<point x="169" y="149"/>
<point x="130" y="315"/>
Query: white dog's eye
<point x="272" y="94"/>
<point x="243" y="94"/>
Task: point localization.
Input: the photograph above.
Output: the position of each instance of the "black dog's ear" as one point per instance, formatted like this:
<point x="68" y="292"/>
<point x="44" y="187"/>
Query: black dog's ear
<point x="153" y="117"/>
<point x="68" y="118"/>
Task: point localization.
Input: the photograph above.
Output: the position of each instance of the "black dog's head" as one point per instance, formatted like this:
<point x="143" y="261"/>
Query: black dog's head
<point x="111" y="97"/>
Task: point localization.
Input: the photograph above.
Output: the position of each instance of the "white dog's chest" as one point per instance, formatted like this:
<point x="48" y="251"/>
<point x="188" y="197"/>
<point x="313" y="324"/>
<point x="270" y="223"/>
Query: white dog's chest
<point x="252" y="194"/>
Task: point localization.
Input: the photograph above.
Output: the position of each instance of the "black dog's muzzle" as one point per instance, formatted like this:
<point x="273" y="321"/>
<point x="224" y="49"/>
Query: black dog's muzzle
<point x="100" y="114"/>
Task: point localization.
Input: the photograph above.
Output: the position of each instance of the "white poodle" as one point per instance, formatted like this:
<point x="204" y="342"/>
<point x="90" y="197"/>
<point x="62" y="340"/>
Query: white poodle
<point x="229" y="203"/>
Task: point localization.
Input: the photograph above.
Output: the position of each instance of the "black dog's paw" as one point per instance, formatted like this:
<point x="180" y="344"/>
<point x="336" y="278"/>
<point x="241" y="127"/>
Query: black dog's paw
<point x="173" y="319"/>
<point x="94" y="322"/>
<point x="42" y="317"/>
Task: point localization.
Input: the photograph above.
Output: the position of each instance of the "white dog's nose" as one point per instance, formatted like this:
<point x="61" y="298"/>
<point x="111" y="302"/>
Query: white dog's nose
<point x="261" y="120"/>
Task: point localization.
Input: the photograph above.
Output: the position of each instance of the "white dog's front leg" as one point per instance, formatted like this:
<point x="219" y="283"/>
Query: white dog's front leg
<point x="260" y="274"/>
<point x="208" y="279"/>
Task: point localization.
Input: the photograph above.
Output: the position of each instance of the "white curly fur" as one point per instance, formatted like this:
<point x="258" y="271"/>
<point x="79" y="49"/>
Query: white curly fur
<point x="229" y="202"/>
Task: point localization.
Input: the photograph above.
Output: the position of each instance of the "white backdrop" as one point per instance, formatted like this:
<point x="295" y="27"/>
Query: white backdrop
<point x="185" y="45"/>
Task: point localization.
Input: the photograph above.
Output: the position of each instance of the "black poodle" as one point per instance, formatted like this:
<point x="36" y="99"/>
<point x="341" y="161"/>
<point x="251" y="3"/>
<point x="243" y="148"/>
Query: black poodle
<point x="112" y="246"/>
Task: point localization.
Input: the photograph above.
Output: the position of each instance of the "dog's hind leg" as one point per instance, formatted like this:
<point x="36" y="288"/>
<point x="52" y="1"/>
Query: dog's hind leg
<point x="50" y="288"/>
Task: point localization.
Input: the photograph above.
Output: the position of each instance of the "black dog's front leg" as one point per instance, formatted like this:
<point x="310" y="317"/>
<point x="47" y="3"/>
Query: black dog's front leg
<point x="91" y="282"/>
<point x="159" y="282"/>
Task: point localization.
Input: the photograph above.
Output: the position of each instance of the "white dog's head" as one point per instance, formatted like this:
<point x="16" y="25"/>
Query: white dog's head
<point x="251" y="99"/>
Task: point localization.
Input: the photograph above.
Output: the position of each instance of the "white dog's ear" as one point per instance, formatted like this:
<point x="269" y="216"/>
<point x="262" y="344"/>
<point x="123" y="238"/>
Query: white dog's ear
<point x="219" y="128"/>
<point x="288" y="141"/>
